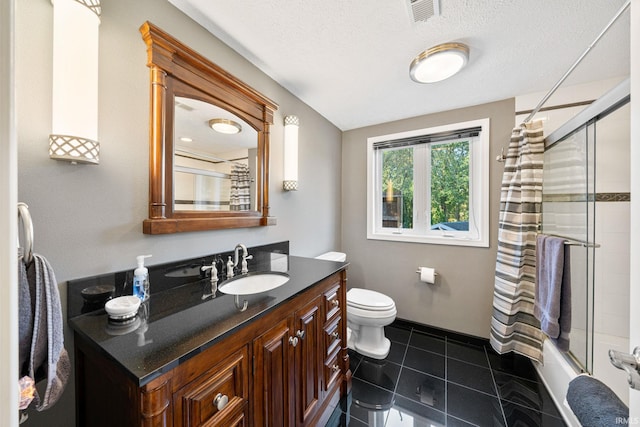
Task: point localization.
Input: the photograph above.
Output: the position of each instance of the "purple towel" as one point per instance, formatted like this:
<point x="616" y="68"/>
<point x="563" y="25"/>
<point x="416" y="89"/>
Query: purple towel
<point x="553" y="289"/>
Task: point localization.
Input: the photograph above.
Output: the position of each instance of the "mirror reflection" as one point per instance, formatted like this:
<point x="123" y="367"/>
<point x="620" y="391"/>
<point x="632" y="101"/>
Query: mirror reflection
<point x="201" y="179"/>
<point x="215" y="158"/>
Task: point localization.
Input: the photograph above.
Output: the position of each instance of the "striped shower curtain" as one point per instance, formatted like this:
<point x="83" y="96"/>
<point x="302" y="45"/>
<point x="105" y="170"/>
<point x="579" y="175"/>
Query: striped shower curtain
<point x="513" y="325"/>
<point x="240" y="198"/>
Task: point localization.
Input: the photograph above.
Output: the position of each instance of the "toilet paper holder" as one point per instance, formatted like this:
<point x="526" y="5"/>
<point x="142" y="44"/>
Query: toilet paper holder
<point x="427" y="275"/>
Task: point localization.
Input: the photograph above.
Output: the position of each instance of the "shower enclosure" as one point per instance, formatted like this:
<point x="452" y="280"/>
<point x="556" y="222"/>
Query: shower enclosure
<point x="586" y="200"/>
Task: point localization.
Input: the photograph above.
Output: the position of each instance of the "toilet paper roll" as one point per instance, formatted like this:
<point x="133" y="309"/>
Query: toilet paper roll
<point x="427" y="274"/>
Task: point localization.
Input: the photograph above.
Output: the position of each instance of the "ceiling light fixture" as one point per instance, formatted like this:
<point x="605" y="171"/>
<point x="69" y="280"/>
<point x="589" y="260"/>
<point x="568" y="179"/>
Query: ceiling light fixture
<point x="225" y="126"/>
<point x="439" y="62"/>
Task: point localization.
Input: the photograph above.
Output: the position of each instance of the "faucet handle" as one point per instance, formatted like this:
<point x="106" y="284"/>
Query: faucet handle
<point x="245" y="269"/>
<point x="214" y="270"/>
<point x="230" y="267"/>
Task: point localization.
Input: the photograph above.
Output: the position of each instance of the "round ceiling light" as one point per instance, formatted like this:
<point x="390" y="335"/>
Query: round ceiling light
<point x="225" y="126"/>
<point x="439" y="62"/>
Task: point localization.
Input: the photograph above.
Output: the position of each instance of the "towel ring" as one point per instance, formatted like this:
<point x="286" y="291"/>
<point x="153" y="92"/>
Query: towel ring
<point x="27" y="229"/>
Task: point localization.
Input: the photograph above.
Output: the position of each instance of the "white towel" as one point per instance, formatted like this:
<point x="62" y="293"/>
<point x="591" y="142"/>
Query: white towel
<point x="47" y="342"/>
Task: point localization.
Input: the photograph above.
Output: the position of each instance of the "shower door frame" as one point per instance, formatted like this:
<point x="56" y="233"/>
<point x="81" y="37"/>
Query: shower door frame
<point x="607" y="103"/>
<point x="603" y="106"/>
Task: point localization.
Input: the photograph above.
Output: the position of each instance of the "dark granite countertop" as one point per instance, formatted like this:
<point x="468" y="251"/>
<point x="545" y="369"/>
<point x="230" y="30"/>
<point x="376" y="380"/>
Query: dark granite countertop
<point x="180" y="322"/>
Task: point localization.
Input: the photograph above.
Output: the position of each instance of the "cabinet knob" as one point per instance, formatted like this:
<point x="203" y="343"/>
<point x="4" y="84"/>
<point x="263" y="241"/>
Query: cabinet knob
<point x="293" y="341"/>
<point x="300" y="333"/>
<point x="335" y="368"/>
<point x="220" y="401"/>
<point x="335" y="302"/>
<point x="335" y="335"/>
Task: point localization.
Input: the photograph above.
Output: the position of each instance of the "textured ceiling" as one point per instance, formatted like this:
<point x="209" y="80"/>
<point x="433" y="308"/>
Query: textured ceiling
<point x="349" y="59"/>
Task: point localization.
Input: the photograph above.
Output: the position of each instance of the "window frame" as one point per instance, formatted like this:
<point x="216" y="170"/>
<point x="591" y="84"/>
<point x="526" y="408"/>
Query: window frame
<point x="478" y="234"/>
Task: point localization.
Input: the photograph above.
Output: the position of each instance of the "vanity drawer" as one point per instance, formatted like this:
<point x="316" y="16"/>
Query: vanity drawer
<point x="216" y="395"/>
<point x="331" y="371"/>
<point x="333" y="336"/>
<point x="332" y="301"/>
<point x="234" y="419"/>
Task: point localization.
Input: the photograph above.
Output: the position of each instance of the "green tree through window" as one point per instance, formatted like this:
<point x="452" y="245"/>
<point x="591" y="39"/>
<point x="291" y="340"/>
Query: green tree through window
<point x="430" y="185"/>
<point x="397" y="179"/>
<point x="450" y="183"/>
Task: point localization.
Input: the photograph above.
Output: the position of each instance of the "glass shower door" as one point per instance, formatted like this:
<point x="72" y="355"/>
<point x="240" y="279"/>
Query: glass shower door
<point x="568" y="211"/>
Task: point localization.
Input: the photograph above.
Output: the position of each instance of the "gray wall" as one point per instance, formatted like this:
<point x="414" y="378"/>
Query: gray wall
<point x="88" y="219"/>
<point x="461" y="299"/>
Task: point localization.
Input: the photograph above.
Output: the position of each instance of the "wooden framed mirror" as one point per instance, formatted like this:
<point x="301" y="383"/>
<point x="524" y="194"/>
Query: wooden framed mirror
<point x="201" y="178"/>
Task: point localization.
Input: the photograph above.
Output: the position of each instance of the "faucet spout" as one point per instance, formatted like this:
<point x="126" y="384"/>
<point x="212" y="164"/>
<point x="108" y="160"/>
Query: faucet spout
<point x="245" y="257"/>
<point x="235" y="253"/>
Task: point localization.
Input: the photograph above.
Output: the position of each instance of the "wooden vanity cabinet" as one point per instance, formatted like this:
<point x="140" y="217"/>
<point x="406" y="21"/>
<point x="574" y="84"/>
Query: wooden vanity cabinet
<point x="286" y="368"/>
<point x="288" y="360"/>
<point x="216" y="398"/>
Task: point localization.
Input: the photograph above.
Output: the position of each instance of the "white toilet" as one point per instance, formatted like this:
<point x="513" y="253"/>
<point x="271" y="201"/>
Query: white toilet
<point x="368" y="312"/>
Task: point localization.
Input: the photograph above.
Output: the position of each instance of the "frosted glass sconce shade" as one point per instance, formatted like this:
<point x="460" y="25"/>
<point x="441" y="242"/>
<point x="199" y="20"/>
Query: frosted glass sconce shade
<point x="74" y="130"/>
<point x="291" y="125"/>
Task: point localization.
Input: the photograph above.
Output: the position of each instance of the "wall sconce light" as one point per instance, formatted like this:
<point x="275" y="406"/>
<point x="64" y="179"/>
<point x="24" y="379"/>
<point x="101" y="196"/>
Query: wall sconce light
<point x="74" y="131"/>
<point x="439" y="62"/>
<point x="291" y="125"/>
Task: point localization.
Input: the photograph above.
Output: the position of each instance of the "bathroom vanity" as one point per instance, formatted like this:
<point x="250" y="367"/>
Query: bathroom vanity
<point x="191" y="358"/>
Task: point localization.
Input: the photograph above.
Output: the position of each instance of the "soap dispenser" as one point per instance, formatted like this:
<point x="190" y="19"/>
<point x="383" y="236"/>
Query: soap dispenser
<point x="141" y="279"/>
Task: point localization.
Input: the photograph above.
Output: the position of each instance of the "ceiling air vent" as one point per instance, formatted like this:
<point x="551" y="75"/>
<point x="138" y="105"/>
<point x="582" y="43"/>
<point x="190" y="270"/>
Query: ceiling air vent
<point x="184" y="106"/>
<point x="421" y="10"/>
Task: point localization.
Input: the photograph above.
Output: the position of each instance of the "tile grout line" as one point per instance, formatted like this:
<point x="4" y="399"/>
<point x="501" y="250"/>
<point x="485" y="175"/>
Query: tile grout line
<point x="444" y="355"/>
<point x="495" y="384"/>
<point x="395" y="388"/>
<point x="446" y="379"/>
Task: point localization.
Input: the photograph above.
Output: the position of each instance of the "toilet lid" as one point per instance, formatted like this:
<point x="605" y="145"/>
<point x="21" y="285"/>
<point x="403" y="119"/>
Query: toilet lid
<point x="368" y="300"/>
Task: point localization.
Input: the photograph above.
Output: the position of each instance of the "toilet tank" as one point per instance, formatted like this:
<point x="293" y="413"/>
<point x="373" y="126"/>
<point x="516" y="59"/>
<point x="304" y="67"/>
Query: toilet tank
<point x="333" y="256"/>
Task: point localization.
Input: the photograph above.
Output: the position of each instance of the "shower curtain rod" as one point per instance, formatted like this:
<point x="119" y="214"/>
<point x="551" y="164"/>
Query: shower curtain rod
<point x="575" y="64"/>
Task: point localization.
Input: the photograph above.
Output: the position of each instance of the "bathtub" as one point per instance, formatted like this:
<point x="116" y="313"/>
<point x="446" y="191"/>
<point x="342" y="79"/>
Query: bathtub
<point x="557" y="372"/>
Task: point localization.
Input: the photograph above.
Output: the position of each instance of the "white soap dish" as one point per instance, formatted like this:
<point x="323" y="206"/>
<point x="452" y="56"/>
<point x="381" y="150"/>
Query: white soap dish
<point x="122" y="307"/>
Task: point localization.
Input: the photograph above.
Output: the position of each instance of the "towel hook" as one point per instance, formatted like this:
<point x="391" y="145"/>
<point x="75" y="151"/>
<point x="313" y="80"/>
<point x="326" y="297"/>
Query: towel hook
<point x="27" y="230"/>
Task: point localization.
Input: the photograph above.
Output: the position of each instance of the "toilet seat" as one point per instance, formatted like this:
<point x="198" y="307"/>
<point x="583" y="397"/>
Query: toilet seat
<point x="365" y="299"/>
<point x="368" y="312"/>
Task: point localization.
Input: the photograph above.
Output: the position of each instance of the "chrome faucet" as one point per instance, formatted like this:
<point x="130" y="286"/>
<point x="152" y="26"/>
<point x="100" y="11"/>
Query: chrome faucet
<point x="245" y="257"/>
<point x="214" y="278"/>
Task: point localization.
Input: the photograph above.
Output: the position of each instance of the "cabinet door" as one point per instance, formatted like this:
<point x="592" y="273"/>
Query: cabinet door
<point x="273" y="380"/>
<point x="209" y="399"/>
<point x="308" y="324"/>
<point x="234" y="419"/>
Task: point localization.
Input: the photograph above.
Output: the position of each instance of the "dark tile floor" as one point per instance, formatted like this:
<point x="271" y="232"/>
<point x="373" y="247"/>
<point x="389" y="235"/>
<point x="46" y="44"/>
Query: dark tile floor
<point x="432" y="379"/>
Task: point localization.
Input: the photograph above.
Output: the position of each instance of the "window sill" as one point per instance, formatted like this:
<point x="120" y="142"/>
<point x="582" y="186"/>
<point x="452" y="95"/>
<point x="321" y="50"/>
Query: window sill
<point x="450" y="240"/>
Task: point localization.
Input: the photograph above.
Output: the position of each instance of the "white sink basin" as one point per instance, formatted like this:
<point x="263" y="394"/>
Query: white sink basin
<point x="253" y="283"/>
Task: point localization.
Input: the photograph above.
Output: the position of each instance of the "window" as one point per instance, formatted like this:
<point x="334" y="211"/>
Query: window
<point x="430" y="185"/>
